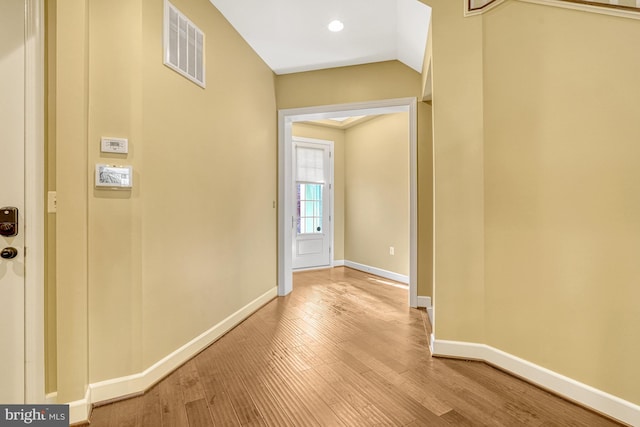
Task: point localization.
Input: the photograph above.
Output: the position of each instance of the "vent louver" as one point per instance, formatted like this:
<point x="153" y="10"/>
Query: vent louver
<point x="183" y="45"/>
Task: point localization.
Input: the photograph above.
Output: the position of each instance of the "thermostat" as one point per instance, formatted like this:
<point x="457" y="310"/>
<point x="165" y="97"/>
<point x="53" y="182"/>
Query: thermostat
<point x="114" y="176"/>
<point x="114" y="145"/>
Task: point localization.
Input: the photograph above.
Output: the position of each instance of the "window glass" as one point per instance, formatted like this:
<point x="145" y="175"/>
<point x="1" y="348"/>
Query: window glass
<point x="309" y="208"/>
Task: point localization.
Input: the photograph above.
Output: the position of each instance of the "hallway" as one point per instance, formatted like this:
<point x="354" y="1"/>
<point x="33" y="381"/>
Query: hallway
<point x="342" y="349"/>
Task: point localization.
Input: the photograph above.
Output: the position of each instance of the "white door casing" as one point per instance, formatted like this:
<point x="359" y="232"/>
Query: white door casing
<point x="286" y="118"/>
<point x="312" y="236"/>
<point x="12" y="126"/>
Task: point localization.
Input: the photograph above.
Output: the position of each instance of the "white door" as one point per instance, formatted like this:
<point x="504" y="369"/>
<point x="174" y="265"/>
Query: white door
<point x="312" y="190"/>
<point x="12" y="141"/>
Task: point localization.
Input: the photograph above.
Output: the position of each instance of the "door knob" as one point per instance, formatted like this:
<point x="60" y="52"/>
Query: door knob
<point x="9" y="253"/>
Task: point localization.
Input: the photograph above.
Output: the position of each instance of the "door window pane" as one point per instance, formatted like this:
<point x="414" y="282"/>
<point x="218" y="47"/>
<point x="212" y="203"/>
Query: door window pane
<point x="309" y="208"/>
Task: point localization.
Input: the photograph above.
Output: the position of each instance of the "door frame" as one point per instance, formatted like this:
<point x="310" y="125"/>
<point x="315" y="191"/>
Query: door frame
<point x="330" y="145"/>
<point x="34" y="201"/>
<point x="286" y="117"/>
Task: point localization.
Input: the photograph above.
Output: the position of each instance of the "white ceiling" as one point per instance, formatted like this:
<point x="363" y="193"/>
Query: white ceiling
<point x="292" y="36"/>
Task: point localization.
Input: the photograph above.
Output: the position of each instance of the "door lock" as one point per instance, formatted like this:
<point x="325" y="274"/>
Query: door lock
<point x="8" y="221"/>
<point x="9" y="253"/>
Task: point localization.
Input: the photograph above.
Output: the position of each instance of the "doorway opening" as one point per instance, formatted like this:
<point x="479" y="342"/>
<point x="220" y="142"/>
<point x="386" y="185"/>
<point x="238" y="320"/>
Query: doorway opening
<point x="286" y="214"/>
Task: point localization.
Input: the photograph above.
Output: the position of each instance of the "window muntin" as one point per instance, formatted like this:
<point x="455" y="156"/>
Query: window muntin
<point x="309" y="208"/>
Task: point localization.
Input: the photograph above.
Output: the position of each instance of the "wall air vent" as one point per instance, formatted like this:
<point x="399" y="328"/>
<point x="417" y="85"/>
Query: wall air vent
<point x="183" y="45"/>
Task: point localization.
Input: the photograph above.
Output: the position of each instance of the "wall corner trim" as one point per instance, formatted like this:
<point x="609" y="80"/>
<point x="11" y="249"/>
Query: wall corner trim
<point x="571" y="389"/>
<point x="118" y="388"/>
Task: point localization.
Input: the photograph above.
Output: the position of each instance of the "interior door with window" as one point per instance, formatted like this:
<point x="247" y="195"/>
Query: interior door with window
<point x="12" y="141"/>
<point x="312" y="235"/>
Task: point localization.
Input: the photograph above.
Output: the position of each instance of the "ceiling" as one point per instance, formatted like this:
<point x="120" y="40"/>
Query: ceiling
<point x="292" y="35"/>
<point x="341" y="122"/>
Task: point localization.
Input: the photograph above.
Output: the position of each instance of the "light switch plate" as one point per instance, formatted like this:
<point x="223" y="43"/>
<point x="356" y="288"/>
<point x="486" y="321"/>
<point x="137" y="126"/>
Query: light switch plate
<point x="114" y="145"/>
<point x="52" y="202"/>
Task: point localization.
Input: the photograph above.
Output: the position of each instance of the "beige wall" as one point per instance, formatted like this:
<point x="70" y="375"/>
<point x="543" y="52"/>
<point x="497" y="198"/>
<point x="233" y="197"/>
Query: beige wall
<point x="425" y="200"/>
<point x="557" y="188"/>
<point x="377" y="193"/>
<point x="371" y="82"/>
<point x="225" y="182"/>
<point x="562" y="185"/>
<point x="459" y="175"/>
<point x="115" y="94"/>
<point x="72" y="188"/>
<point x="145" y="271"/>
<point x="306" y="130"/>
<point x="50" y="314"/>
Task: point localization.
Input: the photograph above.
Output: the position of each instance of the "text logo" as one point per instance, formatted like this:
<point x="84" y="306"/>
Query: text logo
<point x="34" y="415"/>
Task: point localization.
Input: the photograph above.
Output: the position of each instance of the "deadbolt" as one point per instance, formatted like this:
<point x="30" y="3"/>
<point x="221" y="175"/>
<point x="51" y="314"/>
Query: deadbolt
<point x="8" y="221"/>
<point x="9" y="253"/>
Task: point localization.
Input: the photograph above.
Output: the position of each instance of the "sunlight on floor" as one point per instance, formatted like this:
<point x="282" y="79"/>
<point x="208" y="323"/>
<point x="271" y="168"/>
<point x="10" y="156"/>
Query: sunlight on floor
<point x="384" y="282"/>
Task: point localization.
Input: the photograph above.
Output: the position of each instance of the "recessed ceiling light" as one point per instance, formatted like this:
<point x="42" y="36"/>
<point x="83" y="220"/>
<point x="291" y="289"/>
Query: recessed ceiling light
<point x="335" y="26"/>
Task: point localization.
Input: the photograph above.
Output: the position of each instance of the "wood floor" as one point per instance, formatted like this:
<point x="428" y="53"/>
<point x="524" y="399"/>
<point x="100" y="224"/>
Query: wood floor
<point x="342" y="350"/>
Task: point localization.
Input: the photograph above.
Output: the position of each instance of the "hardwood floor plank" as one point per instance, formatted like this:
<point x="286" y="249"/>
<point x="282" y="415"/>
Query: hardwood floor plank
<point x="529" y="403"/>
<point x="173" y="412"/>
<point x="190" y="383"/>
<point x="151" y="407"/>
<point x="263" y="370"/>
<point x="129" y="413"/>
<point x="104" y="416"/>
<point x="240" y="398"/>
<point x="222" y="411"/>
<point x="456" y="419"/>
<point x="198" y="413"/>
<point x="291" y="404"/>
<point x="473" y="402"/>
<point x="349" y="415"/>
<point x="343" y="349"/>
<point x="425" y="397"/>
<point x="395" y="398"/>
<point x="272" y="412"/>
<point x="321" y="386"/>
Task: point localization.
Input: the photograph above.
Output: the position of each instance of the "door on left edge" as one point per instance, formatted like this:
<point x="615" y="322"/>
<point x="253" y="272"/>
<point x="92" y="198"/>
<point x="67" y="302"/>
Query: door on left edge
<point x="12" y="185"/>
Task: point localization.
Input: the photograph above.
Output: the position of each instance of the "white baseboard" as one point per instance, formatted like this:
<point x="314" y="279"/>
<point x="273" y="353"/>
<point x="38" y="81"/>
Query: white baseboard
<point x="424" y="302"/>
<point x="80" y="410"/>
<point x="378" y="272"/>
<point x="338" y="263"/>
<point x="118" y="388"/>
<point x="583" y="394"/>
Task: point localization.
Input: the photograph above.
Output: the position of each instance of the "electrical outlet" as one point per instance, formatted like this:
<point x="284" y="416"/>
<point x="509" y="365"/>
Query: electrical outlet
<point x="392" y="250"/>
